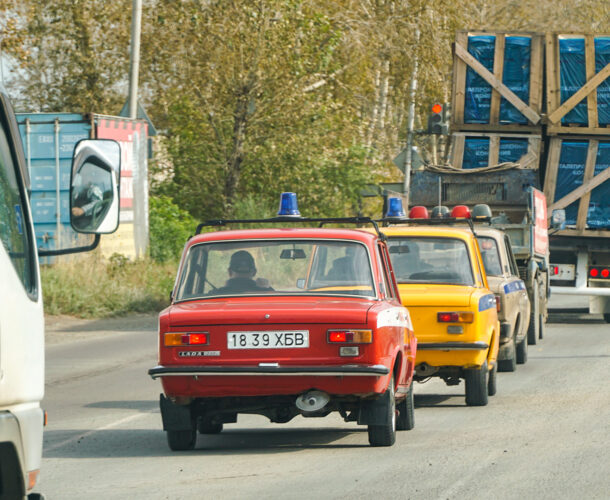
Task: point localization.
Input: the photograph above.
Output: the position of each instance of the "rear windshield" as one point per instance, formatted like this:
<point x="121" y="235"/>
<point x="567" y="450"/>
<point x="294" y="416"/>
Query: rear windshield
<point x="491" y="255"/>
<point x="276" y="267"/>
<point x="431" y="260"/>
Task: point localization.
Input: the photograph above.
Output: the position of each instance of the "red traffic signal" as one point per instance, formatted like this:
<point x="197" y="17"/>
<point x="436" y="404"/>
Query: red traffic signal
<point x="438" y="119"/>
<point x="437" y="108"/>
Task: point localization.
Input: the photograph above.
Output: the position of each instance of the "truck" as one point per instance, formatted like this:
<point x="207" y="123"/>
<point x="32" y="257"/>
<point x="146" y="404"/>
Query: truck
<point x="93" y="201"/>
<point x="530" y="113"/>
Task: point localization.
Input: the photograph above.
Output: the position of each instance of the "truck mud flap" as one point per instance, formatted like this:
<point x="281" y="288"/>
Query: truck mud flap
<point x="175" y="417"/>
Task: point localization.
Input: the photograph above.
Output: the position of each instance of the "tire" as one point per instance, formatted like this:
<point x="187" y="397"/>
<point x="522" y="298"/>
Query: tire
<point x="476" y="386"/>
<point x="533" y="329"/>
<point x="207" y="427"/>
<point x="522" y="351"/>
<point x="385" y="435"/>
<point x="406" y="412"/>
<point x="541" y="326"/>
<point x="509" y="364"/>
<point x="607" y="317"/>
<point x="492" y="380"/>
<point x="182" y="440"/>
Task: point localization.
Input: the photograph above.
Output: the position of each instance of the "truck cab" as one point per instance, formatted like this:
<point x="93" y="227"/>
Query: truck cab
<point x="22" y="363"/>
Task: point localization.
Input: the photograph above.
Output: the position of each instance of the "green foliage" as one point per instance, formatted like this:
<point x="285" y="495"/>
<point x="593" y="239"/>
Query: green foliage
<point x="170" y="227"/>
<point x="92" y="287"/>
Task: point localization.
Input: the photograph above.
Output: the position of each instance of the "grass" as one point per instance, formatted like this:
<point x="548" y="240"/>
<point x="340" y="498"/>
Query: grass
<point x="93" y="287"/>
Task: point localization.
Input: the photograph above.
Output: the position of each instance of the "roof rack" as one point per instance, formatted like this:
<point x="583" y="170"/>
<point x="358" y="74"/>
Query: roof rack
<point x="427" y="222"/>
<point x="292" y="219"/>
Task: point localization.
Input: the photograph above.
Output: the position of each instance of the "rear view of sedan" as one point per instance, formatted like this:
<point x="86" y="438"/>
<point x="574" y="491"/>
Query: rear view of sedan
<point x="285" y="322"/>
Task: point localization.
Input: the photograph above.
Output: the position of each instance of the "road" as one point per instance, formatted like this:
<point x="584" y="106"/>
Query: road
<point x="544" y="435"/>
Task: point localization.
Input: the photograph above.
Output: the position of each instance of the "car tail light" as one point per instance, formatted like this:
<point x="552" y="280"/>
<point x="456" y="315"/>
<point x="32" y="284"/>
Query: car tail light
<point x="182" y="339"/>
<point x="455" y="317"/>
<point x="350" y="336"/>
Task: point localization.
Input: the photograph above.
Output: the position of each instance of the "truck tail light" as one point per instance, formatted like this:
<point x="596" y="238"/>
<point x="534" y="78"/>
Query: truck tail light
<point x="498" y="304"/>
<point x="455" y="317"/>
<point x="599" y="272"/>
<point x="182" y="339"/>
<point x="350" y="336"/>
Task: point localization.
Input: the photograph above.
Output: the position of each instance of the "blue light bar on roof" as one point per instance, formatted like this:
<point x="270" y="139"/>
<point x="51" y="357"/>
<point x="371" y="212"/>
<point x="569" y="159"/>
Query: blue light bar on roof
<point x="288" y="205"/>
<point x="395" y="209"/>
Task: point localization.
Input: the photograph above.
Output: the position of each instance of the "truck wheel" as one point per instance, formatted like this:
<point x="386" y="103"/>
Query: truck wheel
<point x="533" y="330"/>
<point x="510" y="363"/>
<point x="522" y="351"/>
<point x="406" y="412"/>
<point x="541" y="327"/>
<point x="491" y="382"/>
<point x="476" y="386"/>
<point x="182" y="440"/>
<point x="385" y="435"/>
<point x="607" y="317"/>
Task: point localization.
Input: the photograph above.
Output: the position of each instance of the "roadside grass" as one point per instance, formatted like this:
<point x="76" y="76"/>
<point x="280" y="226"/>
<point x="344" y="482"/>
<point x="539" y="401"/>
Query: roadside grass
<point x="93" y="287"/>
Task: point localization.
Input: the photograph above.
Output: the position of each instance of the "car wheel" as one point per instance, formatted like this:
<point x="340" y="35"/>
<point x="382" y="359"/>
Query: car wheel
<point x="476" y="386"/>
<point x="533" y="330"/>
<point x="206" y="426"/>
<point x="182" y="440"/>
<point x="510" y="363"/>
<point x="406" y="412"/>
<point x="607" y="317"/>
<point x="492" y="381"/>
<point x="385" y="435"/>
<point x="522" y="351"/>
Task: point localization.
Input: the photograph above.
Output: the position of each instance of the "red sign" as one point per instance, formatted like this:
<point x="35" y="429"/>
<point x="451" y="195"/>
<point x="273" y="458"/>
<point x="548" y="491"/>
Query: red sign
<point x="541" y="235"/>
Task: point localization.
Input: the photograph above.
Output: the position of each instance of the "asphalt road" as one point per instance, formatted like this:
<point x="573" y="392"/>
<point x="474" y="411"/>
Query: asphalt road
<point x="544" y="435"/>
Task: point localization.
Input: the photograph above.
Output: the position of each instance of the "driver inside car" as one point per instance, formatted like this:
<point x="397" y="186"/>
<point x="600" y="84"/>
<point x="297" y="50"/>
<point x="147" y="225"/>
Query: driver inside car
<point x="241" y="273"/>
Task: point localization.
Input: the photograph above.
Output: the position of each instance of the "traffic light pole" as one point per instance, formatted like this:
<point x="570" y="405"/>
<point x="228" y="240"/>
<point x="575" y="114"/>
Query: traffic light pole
<point x="410" y="125"/>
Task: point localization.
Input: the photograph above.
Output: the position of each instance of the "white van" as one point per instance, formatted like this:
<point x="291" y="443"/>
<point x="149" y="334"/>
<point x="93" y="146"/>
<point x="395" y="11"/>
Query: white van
<point x="21" y="310"/>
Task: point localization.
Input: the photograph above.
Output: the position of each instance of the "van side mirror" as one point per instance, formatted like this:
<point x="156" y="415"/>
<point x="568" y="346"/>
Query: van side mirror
<point x="94" y="186"/>
<point x="558" y="219"/>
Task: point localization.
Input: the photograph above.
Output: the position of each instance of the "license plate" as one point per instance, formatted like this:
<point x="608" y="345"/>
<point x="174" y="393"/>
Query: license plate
<point x="285" y="339"/>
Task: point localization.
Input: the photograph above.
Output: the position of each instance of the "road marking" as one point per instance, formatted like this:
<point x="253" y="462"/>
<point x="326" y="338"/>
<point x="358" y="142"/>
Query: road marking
<point x="93" y="431"/>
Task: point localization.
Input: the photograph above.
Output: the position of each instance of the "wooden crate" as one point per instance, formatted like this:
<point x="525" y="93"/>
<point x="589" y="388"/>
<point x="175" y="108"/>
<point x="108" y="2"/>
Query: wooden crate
<point x="556" y="110"/>
<point x="530" y="160"/>
<point x="462" y="60"/>
<point x="582" y="194"/>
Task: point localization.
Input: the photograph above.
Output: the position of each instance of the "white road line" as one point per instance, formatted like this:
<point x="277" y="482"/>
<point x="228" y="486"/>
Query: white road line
<point x="93" y="431"/>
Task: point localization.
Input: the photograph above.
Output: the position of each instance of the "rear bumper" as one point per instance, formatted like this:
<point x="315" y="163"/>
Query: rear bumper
<point x="452" y="346"/>
<point x="316" y="371"/>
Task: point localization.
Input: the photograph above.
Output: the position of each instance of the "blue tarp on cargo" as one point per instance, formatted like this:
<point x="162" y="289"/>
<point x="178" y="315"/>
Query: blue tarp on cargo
<point x="516" y="76"/>
<point x="570" y="176"/>
<point x="476" y="151"/>
<point x="573" y="76"/>
<point x="602" y="59"/>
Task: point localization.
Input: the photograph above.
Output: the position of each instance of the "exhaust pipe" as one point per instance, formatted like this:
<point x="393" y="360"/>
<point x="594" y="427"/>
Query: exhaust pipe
<point x="312" y="401"/>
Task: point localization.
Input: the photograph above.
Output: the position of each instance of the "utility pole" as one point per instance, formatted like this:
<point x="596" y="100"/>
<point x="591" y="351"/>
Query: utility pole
<point x="134" y="69"/>
<point x="411" y="122"/>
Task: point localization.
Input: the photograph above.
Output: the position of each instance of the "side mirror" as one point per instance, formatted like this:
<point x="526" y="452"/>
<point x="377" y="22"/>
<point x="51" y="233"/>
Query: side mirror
<point x="94" y="186"/>
<point x="558" y="219"/>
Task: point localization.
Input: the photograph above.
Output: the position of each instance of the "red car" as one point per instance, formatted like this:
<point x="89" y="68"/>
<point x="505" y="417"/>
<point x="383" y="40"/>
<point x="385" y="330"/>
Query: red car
<point x="282" y="322"/>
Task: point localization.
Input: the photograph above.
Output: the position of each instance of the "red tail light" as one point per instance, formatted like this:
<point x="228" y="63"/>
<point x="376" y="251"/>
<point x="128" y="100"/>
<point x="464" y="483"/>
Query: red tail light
<point x="605" y="273"/>
<point x="599" y="272"/>
<point x="498" y="304"/>
<point x="593" y="272"/>
<point x="455" y="317"/>
<point x="180" y="339"/>
<point x="350" y="336"/>
<point x="555" y="271"/>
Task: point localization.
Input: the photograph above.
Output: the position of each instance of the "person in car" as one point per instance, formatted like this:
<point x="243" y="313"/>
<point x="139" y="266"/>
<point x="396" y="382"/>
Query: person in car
<point x="241" y="273"/>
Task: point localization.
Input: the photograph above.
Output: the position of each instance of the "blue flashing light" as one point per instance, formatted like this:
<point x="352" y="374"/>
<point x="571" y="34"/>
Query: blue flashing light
<point x="288" y="205"/>
<point x="395" y="209"/>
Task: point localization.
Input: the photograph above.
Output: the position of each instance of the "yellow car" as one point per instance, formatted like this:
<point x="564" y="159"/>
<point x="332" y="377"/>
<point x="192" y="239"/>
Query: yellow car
<point x="441" y="278"/>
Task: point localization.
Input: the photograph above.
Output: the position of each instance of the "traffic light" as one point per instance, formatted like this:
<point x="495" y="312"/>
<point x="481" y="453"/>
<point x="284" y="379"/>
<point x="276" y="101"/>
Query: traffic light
<point x="438" y="119"/>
